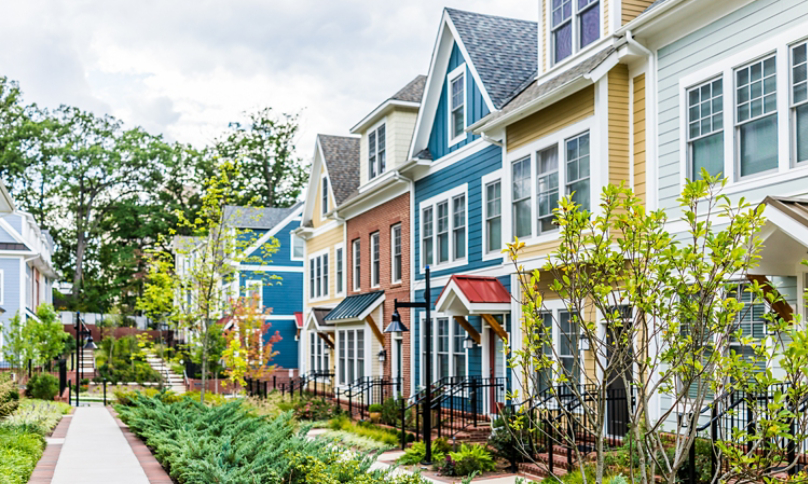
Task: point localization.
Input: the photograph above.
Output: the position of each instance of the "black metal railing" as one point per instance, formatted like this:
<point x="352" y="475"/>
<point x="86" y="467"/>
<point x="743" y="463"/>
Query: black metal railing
<point x="363" y="392"/>
<point x="741" y="411"/>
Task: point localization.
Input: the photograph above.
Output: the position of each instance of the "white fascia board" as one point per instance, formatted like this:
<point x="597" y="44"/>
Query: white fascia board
<point x="5" y="197"/>
<point x="470" y="65"/>
<point x="380" y="111"/>
<point x="311" y="190"/>
<point x="274" y="230"/>
<point x="392" y="188"/>
<point x="13" y="233"/>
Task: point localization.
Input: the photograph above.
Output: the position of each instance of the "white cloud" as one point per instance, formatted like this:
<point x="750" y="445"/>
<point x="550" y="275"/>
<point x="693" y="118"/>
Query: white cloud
<point x="186" y="68"/>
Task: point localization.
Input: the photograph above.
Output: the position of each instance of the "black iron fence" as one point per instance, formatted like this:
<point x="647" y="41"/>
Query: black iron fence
<point x="367" y="391"/>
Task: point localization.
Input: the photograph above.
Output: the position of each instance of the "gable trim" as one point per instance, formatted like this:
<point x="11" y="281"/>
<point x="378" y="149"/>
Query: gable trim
<point x="274" y="230"/>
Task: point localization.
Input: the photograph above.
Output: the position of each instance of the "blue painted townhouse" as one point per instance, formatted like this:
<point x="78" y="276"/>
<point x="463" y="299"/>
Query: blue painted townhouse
<point x="26" y="270"/>
<point x="276" y="279"/>
<point x="478" y="63"/>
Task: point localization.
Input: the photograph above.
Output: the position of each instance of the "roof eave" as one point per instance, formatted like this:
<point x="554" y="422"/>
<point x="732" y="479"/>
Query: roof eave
<point x="380" y="111"/>
<point x="646" y="20"/>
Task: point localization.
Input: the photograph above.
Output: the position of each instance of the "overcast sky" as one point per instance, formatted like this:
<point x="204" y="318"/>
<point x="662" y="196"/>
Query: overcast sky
<point x="185" y="68"/>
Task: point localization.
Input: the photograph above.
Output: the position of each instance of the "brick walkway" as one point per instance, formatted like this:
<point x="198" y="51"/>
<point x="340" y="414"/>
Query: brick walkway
<point x="93" y="446"/>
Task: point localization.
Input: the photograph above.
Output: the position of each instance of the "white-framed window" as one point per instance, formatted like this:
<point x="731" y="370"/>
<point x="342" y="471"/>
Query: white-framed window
<point x="493" y="216"/>
<point x="357" y="264"/>
<point x="298" y="247"/>
<point x="443" y="350"/>
<point x="705" y="128"/>
<point x="318" y="275"/>
<point x="375" y="264"/>
<point x="459" y="226"/>
<point x="395" y="253"/>
<point x="427" y="240"/>
<point x="457" y="105"/>
<point x="254" y="292"/>
<point x="318" y="353"/>
<point x="443" y="231"/>
<point x="799" y="101"/>
<point x="574" y="24"/>
<point x="324" y="195"/>
<point x="351" y="355"/>
<point x="449" y="354"/>
<point x="546" y="189"/>
<point x="756" y="117"/>
<point x="578" y="170"/>
<point x="377" y="152"/>
<point x="444" y="226"/>
<point x="520" y="195"/>
<point x="458" y="349"/>
<point x="339" y="269"/>
<point x="568" y="349"/>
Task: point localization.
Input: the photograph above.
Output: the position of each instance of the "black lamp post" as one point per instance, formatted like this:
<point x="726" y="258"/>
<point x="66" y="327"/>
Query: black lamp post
<point x="81" y="332"/>
<point x="396" y="327"/>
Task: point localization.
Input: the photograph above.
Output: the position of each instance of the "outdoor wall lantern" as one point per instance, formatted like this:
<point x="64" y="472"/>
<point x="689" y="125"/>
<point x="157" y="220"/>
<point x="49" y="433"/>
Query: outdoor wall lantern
<point x="382" y="356"/>
<point x="585" y="342"/>
<point x="468" y="343"/>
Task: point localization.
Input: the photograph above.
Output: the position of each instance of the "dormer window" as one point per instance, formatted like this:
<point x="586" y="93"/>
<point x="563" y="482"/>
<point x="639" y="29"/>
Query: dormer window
<point x="574" y="25"/>
<point x="376" y="152"/>
<point x="457" y="105"/>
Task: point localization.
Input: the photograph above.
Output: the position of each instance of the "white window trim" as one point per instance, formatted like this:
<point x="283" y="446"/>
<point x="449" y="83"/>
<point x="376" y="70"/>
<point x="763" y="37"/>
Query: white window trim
<point x="434" y="335"/>
<point x="780" y="45"/>
<point x="2" y="289"/>
<point x="324" y="196"/>
<point x="576" y="48"/>
<point x="555" y="307"/>
<point x="373" y="255"/>
<point x="446" y="196"/>
<point x="792" y="108"/>
<point x="292" y="238"/>
<point x="485" y="181"/>
<point x="375" y="129"/>
<point x="325" y="294"/>
<point x="356" y="265"/>
<point x="457" y="72"/>
<point x="344" y="267"/>
<point x="736" y="128"/>
<point x="393" y="280"/>
<point x="557" y="138"/>
<point x="249" y="284"/>
<point x="366" y="366"/>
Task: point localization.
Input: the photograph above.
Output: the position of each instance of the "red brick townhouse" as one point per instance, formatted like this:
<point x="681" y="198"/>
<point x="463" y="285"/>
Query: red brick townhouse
<point x="377" y="238"/>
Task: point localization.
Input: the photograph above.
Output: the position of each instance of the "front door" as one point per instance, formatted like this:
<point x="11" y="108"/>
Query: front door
<point x="618" y="397"/>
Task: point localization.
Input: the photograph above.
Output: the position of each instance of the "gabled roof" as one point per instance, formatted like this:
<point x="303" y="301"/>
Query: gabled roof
<point x="319" y="316"/>
<point x="341" y="157"/>
<point x="354" y="308"/>
<point x="413" y="91"/>
<point x="473" y="295"/>
<point x="504" y="51"/>
<point x="257" y="218"/>
<point x="795" y="208"/>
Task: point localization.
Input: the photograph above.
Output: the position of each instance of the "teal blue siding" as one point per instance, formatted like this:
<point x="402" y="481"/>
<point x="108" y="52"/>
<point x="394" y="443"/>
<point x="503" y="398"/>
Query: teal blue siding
<point x="468" y="171"/>
<point x="287" y="347"/>
<point x="730" y="35"/>
<point x="284" y="296"/>
<point x="475" y="105"/>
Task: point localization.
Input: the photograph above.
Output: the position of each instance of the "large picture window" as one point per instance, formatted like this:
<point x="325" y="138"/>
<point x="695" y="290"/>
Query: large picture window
<point x="444" y="228"/>
<point x="705" y="128"/>
<point x="799" y="100"/>
<point x="493" y="216"/>
<point x="574" y="24"/>
<point x="756" y="116"/>
<point x="448" y="349"/>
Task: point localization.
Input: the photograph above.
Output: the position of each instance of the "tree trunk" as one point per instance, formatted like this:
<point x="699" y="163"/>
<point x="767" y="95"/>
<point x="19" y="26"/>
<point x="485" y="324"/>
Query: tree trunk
<point x="81" y="246"/>
<point x="204" y="360"/>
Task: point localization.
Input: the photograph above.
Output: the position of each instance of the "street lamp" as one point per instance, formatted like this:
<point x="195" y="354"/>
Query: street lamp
<point x="382" y="356"/>
<point x="81" y="332"/>
<point x="396" y="327"/>
<point x="396" y="323"/>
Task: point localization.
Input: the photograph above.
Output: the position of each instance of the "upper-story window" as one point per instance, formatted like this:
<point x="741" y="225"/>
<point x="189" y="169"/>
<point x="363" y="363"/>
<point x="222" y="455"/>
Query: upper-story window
<point x="357" y="266"/>
<point x="756" y="120"/>
<point x="546" y="188"/>
<point x="324" y="195"/>
<point x="574" y="25"/>
<point x="298" y="246"/>
<point x="374" y="260"/>
<point x="705" y="132"/>
<point x="254" y="293"/>
<point x="459" y="224"/>
<point x="340" y="270"/>
<point x="578" y="170"/>
<point x="443" y="232"/>
<point x="493" y="216"/>
<point x="521" y="197"/>
<point x="377" y="157"/>
<point x="395" y="242"/>
<point x="457" y="105"/>
<point x="318" y="276"/>
<point x="799" y="100"/>
<point x="427" y="242"/>
<point x="444" y="228"/>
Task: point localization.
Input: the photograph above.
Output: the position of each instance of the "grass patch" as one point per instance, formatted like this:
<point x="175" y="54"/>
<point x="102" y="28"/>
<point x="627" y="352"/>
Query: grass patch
<point x="366" y="430"/>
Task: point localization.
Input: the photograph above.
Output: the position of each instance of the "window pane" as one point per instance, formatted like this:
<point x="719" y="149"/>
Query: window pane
<point x="562" y="42"/>
<point x="339" y="270"/>
<point x="708" y="152"/>
<point x="578" y="170"/>
<point x="759" y="145"/>
<point x="443" y="232"/>
<point x="521" y="218"/>
<point x="372" y="155"/>
<point x="427" y="236"/>
<point x="802" y="133"/>
<point x="521" y="198"/>
<point x="382" y="142"/>
<point x="459" y="221"/>
<point x="590" y="25"/>
<point x="494" y="233"/>
<point x="547" y="188"/>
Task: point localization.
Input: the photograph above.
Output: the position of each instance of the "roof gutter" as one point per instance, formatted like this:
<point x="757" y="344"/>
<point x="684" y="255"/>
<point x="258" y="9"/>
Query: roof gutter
<point x="395" y="178"/>
<point x="645" y="19"/>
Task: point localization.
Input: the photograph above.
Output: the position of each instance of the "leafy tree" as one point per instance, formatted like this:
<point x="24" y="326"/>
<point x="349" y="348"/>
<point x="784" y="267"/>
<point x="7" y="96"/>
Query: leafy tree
<point x="248" y="352"/>
<point x="39" y="339"/>
<point x="264" y="149"/>
<point x="662" y="314"/>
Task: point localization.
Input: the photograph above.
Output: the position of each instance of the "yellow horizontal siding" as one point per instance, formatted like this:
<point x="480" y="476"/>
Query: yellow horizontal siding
<point x="639" y="137"/>
<point x="632" y="8"/>
<point x="568" y="111"/>
<point x="619" y="170"/>
<point x="316" y="244"/>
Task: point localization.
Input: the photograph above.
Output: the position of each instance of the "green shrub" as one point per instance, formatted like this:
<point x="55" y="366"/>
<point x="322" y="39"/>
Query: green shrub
<point x="391" y="412"/>
<point x="365" y="429"/>
<point x="9" y="396"/>
<point x="375" y="408"/>
<point x="417" y="453"/>
<point x="43" y="386"/>
<point x="468" y="460"/>
<point x="37" y="416"/>
<point x="21" y="438"/>
<point x="354" y="441"/>
<point x="315" y="409"/>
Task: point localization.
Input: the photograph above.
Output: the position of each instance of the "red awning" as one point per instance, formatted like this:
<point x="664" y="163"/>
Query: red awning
<point x="299" y="320"/>
<point x="476" y="294"/>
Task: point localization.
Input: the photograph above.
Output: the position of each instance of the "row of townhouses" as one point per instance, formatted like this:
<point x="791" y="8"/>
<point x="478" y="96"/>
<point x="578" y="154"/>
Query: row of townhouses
<point x="27" y="273"/>
<point x="511" y="116"/>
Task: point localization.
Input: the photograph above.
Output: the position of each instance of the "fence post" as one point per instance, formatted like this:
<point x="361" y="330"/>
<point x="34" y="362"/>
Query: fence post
<point x="550" y="444"/>
<point x="713" y="438"/>
<point x="474" y="400"/>
<point x="69" y="392"/>
<point x="691" y="457"/>
<point x="792" y="443"/>
<point x="274" y="382"/>
<point x="750" y="424"/>
<point x="105" y="392"/>
<point x="266" y="387"/>
<point x="403" y="423"/>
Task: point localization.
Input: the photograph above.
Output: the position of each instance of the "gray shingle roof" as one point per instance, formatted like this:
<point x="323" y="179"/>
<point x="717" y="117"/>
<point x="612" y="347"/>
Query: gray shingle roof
<point x="413" y="91"/>
<point x="353" y="306"/>
<point x="504" y="51"/>
<point x="533" y="89"/>
<point x="257" y="218"/>
<point x="341" y="155"/>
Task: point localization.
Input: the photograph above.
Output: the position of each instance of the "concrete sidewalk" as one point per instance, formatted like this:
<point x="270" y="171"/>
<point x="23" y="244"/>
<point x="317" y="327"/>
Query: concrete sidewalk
<point x="95" y="451"/>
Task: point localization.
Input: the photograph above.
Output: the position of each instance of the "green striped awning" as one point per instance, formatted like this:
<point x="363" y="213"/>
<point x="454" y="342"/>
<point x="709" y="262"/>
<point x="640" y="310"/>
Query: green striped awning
<point x="354" y="308"/>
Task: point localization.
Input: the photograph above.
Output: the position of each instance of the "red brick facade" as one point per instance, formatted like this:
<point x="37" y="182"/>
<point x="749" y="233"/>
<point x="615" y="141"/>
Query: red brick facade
<point x="382" y="219"/>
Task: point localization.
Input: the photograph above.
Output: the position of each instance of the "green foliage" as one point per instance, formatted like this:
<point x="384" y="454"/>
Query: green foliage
<point x="470" y="459"/>
<point x="573" y="477"/>
<point x="375" y="408"/>
<point x="229" y="443"/>
<point x="417" y="453"/>
<point x="128" y="398"/>
<point x="312" y="408"/>
<point x="9" y="396"/>
<point x="358" y="442"/>
<point x="365" y="429"/>
<point x="37" y="416"/>
<point x="391" y="412"/>
<point x="123" y="360"/>
<point x="39" y="339"/>
<point x="43" y="386"/>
